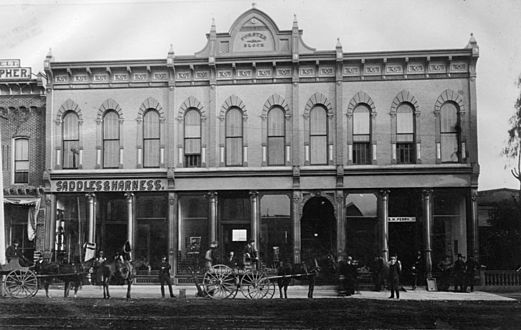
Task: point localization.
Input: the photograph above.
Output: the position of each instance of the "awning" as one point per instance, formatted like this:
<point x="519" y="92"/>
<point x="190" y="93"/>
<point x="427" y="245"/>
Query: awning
<point x="32" y="215"/>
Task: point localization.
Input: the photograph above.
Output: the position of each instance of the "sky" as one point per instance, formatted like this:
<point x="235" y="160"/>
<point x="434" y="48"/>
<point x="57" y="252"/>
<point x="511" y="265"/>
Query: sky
<point x="140" y="29"/>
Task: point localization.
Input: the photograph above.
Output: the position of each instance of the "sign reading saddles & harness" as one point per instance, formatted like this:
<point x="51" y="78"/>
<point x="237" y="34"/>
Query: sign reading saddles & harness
<point x="108" y="185"/>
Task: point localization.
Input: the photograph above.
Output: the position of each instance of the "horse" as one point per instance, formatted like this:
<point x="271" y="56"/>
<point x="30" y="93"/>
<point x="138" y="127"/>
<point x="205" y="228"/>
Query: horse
<point x="117" y="271"/>
<point x="70" y="274"/>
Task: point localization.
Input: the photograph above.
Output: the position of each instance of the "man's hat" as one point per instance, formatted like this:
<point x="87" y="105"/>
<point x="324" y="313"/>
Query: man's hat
<point x="213" y="244"/>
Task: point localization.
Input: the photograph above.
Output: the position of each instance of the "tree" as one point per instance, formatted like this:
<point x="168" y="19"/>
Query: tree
<point x="512" y="150"/>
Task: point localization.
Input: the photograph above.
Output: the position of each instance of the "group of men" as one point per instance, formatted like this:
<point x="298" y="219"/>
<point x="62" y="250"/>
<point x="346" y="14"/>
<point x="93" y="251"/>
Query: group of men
<point x="461" y="273"/>
<point x="250" y="256"/>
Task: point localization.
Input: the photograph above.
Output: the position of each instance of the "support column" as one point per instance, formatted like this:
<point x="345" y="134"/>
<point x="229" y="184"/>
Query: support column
<point x="383" y="219"/>
<point x="173" y="224"/>
<point x="212" y="201"/>
<point x="297" y="200"/>
<point x="255" y="222"/>
<point x="92" y="218"/>
<point x="340" y="223"/>
<point x="131" y="221"/>
<point x="50" y="209"/>
<point x="427" y="217"/>
<point x="475" y="224"/>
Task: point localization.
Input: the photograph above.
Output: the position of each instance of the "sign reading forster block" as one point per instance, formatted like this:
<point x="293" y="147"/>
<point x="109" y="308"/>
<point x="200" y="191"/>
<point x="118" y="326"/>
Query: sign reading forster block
<point x="401" y="219"/>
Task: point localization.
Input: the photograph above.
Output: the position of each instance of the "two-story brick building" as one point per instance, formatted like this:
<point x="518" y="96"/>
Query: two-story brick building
<point x="22" y="120"/>
<point x="260" y="136"/>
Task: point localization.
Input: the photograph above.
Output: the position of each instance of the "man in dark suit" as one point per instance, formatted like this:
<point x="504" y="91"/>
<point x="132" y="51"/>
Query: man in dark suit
<point x="164" y="277"/>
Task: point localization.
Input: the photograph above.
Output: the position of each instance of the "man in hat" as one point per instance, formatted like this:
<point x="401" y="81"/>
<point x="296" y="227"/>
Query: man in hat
<point x="250" y="255"/>
<point x="13" y="251"/>
<point x="395" y="269"/>
<point x="459" y="274"/>
<point x="164" y="277"/>
<point x="210" y="255"/>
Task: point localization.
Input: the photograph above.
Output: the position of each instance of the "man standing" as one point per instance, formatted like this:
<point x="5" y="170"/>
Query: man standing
<point x="250" y="256"/>
<point x="459" y="274"/>
<point x="471" y="267"/>
<point x="395" y="269"/>
<point x="164" y="277"/>
<point x="13" y="251"/>
<point x="209" y="256"/>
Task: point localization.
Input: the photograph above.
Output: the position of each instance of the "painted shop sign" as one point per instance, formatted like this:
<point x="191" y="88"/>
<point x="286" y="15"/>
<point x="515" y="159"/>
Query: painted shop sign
<point x="108" y="185"/>
<point x="401" y="219"/>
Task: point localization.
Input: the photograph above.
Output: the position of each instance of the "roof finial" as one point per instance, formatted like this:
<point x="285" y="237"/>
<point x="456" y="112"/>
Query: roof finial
<point x="338" y="44"/>
<point x="253" y="4"/>
<point x="473" y="44"/>
<point x="295" y="24"/>
<point x="49" y="54"/>
<point x="213" y="29"/>
<point x="171" y="50"/>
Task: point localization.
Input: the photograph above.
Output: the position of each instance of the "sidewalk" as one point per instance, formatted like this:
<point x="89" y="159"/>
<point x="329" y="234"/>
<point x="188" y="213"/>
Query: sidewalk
<point x="297" y="291"/>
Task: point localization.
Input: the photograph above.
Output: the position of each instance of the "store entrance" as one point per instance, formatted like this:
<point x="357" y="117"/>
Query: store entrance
<point x="234" y="238"/>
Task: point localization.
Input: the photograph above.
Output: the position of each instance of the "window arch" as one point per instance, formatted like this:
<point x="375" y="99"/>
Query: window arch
<point x="362" y="134"/>
<point x="111" y="136"/>
<point x="234" y="137"/>
<point x="151" y="138"/>
<point x="405" y="134"/>
<point x="70" y="139"/>
<point x="449" y="133"/>
<point x="276" y="136"/>
<point x="192" y="138"/>
<point x="318" y="135"/>
<point x="21" y="160"/>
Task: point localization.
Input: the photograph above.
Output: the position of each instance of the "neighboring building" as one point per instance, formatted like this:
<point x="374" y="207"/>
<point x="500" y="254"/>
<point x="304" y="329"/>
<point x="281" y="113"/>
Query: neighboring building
<point x="22" y="117"/>
<point x="260" y="136"/>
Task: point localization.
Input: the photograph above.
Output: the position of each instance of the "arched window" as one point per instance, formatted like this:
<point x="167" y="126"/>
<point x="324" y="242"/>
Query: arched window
<point x="70" y="139"/>
<point x="276" y="136"/>
<point x="234" y="137"/>
<point x="192" y="138"/>
<point x="362" y="135"/>
<point x="21" y="160"/>
<point x="405" y="148"/>
<point x="111" y="139"/>
<point x="318" y="135"/>
<point x="151" y="138"/>
<point x="450" y="130"/>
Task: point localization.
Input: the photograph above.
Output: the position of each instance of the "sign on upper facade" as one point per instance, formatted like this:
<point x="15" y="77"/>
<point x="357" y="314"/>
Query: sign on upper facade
<point x="108" y="185"/>
<point x="10" y="69"/>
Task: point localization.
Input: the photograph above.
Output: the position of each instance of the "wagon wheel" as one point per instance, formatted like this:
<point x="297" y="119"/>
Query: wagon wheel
<point x="251" y="285"/>
<point x="21" y="284"/>
<point x="219" y="282"/>
<point x="263" y="288"/>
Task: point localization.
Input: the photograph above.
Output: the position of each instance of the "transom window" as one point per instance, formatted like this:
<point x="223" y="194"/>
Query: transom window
<point x="361" y="135"/>
<point x="151" y="139"/>
<point x="318" y="135"/>
<point x="70" y="140"/>
<point x="21" y="160"/>
<point x="450" y="131"/>
<point x="276" y="136"/>
<point x="111" y="139"/>
<point x="192" y="138"/>
<point x="234" y="137"/>
<point x="405" y="148"/>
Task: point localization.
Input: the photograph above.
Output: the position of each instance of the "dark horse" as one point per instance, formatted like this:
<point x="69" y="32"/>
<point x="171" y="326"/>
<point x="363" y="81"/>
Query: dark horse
<point x="70" y="274"/>
<point x="117" y="271"/>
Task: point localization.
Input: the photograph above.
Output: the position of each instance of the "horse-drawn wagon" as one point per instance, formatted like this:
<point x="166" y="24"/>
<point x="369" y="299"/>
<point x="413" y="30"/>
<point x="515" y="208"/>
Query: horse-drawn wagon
<point x="20" y="282"/>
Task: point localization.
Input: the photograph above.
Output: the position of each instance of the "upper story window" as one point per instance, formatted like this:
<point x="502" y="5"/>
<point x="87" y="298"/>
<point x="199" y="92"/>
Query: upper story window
<point x="192" y="131"/>
<point x="450" y="133"/>
<point x="151" y="139"/>
<point x="111" y="141"/>
<point x="362" y="135"/>
<point x="234" y="137"/>
<point x="318" y="135"/>
<point x="21" y="160"/>
<point x="405" y="144"/>
<point x="276" y="136"/>
<point x="70" y="139"/>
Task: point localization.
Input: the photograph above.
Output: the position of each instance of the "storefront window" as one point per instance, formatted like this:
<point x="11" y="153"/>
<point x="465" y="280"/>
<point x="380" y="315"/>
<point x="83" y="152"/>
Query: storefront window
<point x="449" y="226"/>
<point x="71" y="227"/>
<point x="276" y="230"/>
<point x="361" y="229"/>
<point x="193" y="229"/>
<point x="112" y="226"/>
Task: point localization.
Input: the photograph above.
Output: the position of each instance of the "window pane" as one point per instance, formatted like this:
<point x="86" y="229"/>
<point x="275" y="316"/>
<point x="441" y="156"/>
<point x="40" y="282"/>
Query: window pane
<point x="111" y="125"/>
<point x="275" y="151"/>
<point x="318" y="121"/>
<point x="449" y="118"/>
<point x="21" y="149"/>
<point x="111" y="153"/>
<point x="404" y="119"/>
<point x="192" y="146"/>
<point x="70" y="154"/>
<point x="276" y="122"/>
<point x="151" y="125"/>
<point x="405" y="153"/>
<point x="318" y="146"/>
<point x="361" y="153"/>
<point x="70" y="126"/>
<point x="234" y="151"/>
<point x="449" y="147"/>
<point x="151" y="153"/>
<point x="234" y="123"/>
<point x="192" y="124"/>
<point x="361" y="120"/>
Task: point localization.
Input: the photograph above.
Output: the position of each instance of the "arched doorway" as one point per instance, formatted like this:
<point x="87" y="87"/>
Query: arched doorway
<point x="318" y="228"/>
